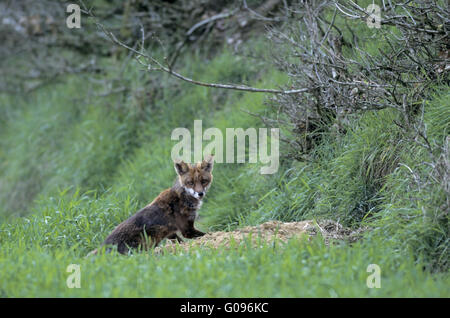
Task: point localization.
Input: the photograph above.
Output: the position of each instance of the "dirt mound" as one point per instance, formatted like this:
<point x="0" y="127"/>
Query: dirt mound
<point x="268" y="232"/>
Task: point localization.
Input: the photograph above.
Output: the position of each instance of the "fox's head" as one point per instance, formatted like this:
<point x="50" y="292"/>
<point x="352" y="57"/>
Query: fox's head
<point x="195" y="179"/>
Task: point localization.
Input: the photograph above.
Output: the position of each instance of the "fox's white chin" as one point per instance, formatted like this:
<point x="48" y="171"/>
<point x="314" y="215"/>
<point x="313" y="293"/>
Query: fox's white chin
<point x="193" y="193"/>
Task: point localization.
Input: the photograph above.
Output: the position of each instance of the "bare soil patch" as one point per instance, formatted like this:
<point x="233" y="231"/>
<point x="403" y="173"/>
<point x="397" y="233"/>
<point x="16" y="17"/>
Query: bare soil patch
<point x="268" y="232"/>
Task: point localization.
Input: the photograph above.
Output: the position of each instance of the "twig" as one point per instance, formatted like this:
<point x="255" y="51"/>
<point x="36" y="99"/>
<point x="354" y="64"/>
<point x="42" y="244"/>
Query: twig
<point x="167" y="69"/>
<point x="193" y="29"/>
<point x="211" y="19"/>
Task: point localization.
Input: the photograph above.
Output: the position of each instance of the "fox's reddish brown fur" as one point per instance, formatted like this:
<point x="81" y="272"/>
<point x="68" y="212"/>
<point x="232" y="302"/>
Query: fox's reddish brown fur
<point x="174" y="209"/>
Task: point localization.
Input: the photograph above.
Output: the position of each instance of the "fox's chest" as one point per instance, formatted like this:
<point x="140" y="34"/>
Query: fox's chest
<point x="189" y="202"/>
<point x="190" y="210"/>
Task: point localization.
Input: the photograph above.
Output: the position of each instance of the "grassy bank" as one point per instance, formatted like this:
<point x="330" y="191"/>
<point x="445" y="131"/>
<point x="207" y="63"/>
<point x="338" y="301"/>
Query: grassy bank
<point x="73" y="167"/>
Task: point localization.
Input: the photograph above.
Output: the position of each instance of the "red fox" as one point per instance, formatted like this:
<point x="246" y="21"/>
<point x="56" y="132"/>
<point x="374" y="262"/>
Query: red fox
<point x="174" y="209"/>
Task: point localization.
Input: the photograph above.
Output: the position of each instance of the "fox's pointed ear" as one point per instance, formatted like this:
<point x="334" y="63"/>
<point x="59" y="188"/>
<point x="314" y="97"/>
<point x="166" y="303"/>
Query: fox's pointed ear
<point x="181" y="167"/>
<point x="208" y="163"/>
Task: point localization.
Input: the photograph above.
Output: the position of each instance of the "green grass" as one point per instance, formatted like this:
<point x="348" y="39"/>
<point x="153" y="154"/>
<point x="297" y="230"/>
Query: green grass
<point x="73" y="168"/>
<point x="300" y="269"/>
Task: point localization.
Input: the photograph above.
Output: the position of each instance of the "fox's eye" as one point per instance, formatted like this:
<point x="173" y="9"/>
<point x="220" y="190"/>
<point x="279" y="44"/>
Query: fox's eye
<point x="204" y="181"/>
<point x="190" y="183"/>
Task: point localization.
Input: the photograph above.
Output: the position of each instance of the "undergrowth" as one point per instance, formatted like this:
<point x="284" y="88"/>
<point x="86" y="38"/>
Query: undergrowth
<point x="72" y="168"/>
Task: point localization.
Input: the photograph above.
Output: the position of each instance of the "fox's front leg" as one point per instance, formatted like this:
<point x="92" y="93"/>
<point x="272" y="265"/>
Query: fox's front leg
<point x="174" y="237"/>
<point x="191" y="232"/>
<point x="196" y="233"/>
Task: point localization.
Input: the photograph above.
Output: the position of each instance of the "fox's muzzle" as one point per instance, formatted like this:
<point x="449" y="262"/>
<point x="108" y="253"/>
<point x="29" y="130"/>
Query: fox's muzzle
<point x="195" y="194"/>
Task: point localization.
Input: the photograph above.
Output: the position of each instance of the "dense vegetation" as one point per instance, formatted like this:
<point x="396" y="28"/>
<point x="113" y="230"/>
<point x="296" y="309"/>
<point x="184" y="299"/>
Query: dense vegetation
<point x="75" y="162"/>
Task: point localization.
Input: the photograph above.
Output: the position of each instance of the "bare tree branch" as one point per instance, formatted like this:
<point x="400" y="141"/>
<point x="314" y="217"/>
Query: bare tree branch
<point x="152" y="64"/>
